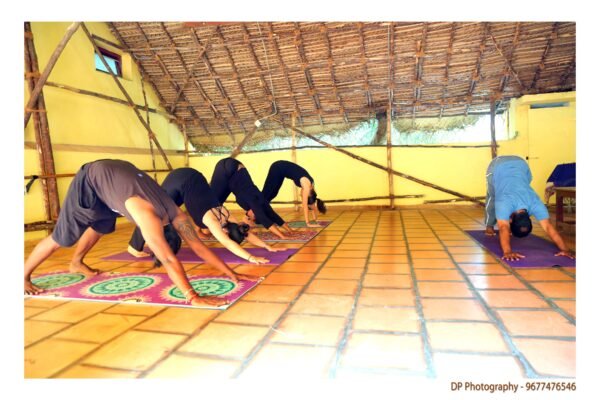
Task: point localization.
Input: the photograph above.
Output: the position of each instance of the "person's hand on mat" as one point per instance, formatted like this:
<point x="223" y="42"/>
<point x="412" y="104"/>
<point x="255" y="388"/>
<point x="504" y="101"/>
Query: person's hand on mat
<point x="489" y="231"/>
<point x="512" y="256"/>
<point x="208" y="300"/>
<point x="275" y="249"/>
<point x="30" y="288"/>
<point x="566" y="253"/>
<point x="245" y="277"/>
<point x="258" y="260"/>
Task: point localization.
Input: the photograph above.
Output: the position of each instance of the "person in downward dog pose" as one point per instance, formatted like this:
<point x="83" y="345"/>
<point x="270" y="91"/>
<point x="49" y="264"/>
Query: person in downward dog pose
<point x="282" y="169"/>
<point x="102" y="190"/>
<point x="230" y="176"/>
<point x="510" y="200"/>
<point x="189" y="187"/>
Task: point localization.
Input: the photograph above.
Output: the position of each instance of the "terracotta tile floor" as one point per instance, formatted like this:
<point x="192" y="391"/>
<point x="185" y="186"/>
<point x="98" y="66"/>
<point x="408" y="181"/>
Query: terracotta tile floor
<point x="376" y="293"/>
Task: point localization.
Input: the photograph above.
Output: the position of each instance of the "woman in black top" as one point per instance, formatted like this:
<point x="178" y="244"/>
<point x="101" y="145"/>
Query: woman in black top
<point x="285" y="169"/>
<point x="229" y="176"/>
<point x="188" y="186"/>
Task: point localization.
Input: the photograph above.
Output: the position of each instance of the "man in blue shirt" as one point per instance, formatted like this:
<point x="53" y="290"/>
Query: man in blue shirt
<point x="510" y="201"/>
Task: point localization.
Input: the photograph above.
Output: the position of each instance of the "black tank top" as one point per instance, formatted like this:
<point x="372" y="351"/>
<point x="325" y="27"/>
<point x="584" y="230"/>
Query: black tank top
<point x="186" y="185"/>
<point x="291" y="171"/>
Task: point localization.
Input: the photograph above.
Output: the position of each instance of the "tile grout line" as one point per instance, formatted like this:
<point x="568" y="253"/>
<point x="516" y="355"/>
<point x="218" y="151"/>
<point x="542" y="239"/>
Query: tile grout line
<point x="350" y="317"/>
<point x="427" y="348"/>
<point x="528" y="368"/>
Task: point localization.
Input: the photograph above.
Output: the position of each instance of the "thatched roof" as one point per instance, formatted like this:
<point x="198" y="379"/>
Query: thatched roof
<point x="217" y="79"/>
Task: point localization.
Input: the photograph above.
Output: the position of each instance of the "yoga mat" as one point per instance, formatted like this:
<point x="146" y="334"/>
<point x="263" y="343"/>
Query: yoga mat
<point x="295" y="237"/>
<point x="538" y="252"/>
<point x="186" y="255"/>
<point x="137" y="288"/>
<point x="301" y="224"/>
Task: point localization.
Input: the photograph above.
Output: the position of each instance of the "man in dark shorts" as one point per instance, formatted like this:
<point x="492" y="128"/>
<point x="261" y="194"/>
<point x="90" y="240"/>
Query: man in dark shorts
<point x="100" y="191"/>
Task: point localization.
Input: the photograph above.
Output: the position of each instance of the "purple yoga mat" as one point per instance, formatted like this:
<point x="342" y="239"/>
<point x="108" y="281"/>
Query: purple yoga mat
<point x="138" y="288"/>
<point x="294" y="237"/>
<point x="538" y="252"/>
<point x="186" y="255"/>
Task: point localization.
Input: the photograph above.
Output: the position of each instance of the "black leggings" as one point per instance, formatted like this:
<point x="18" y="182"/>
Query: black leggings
<point x="223" y="172"/>
<point x="272" y="185"/>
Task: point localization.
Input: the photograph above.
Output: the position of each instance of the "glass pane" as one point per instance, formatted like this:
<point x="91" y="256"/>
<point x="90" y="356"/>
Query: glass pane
<point x="112" y="63"/>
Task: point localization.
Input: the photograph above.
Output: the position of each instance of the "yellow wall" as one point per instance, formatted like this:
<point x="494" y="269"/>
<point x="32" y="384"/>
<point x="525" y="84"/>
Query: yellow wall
<point x="460" y="169"/>
<point x="77" y="119"/>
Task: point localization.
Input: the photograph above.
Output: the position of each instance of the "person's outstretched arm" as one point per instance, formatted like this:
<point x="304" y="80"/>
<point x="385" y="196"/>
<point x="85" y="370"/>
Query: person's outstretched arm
<point x="151" y="226"/>
<point x="306" y="188"/>
<point x="556" y="238"/>
<point x="215" y="228"/>
<point x="508" y="254"/>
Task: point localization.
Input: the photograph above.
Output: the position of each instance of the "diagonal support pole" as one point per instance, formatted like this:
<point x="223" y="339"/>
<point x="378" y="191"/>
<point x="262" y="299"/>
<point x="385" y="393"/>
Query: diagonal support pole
<point x="35" y="93"/>
<point x="379" y="166"/>
<point x="129" y="100"/>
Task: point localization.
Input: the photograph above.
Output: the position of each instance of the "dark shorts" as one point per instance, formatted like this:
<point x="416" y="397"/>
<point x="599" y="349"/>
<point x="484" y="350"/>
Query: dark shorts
<point x="80" y="210"/>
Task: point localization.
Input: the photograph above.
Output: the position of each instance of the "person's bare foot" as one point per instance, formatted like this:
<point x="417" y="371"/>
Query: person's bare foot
<point x="135" y="253"/>
<point x="30" y="288"/>
<point x="489" y="231"/>
<point x="83" y="269"/>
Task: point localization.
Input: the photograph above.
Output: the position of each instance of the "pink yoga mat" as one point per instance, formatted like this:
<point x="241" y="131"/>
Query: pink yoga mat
<point x="302" y="224"/>
<point x="186" y="255"/>
<point x="538" y="252"/>
<point x="138" y="288"/>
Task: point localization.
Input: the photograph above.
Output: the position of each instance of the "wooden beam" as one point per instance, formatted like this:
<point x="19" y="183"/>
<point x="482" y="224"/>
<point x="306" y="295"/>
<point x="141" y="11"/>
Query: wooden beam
<point x="129" y="100"/>
<point x="389" y="157"/>
<point x="493" y="127"/>
<point x="240" y="146"/>
<point x="43" y="143"/>
<point x="449" y="50"/>
<point x="148" y="122"/>
<point x="508" y="62"/>
<point x="419" y="57"/>
<point x="541" y="65"/>
<point x="295" y="193"/>
<point x="51" y="62"/>
<point x="172" y="80"/>
<point x="475" y="76"/>
<point x="405" y="196"/>
<point x="379" y="166"/>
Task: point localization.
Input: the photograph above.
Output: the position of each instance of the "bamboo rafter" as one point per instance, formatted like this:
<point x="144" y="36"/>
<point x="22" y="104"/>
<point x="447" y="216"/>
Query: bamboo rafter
<point x="476" y="73"/>
<point x="449" y="50"/>
<point x="541" y="66"/>
<point x="163" y="67"/>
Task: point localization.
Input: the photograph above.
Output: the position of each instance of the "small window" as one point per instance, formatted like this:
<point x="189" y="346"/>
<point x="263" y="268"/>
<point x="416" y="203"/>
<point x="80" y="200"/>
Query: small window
<point x="113" y="60"/>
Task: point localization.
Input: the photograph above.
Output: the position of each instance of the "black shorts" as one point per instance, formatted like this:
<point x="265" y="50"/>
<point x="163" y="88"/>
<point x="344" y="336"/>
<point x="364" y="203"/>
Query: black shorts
<point x="80" y="210"/>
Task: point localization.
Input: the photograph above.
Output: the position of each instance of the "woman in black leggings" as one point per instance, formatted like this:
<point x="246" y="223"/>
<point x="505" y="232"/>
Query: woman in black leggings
<point x="229" y="176"/>
<point x="285" y="169"/>
<point x="188" y="186"/>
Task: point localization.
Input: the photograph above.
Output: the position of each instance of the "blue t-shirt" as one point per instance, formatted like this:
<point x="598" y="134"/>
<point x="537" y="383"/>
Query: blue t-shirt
<point x="511" y="178"/>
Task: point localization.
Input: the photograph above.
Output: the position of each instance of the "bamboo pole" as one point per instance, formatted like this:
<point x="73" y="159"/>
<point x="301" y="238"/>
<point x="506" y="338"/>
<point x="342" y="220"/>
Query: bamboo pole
<point x="129" y="100"/>
<point x="493" y="127"/>
<point x="389" y="156"/>
<point x="186" y="143"/>
<point x="371" y="163"/>
<point x="450" y="200"/>
<point x="295" y="195"/>
<point x="42" y="131"/>
<point x="148" y="122"/>
<point x="240" y="146"/>
<point x="109" y="98"/>
<point x="48" y="69"/>
<point x="405" y="196"/>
